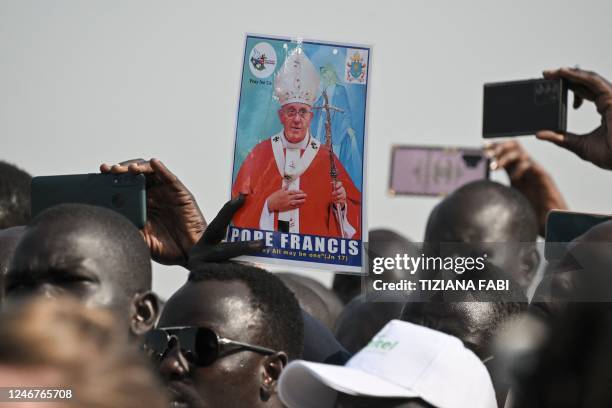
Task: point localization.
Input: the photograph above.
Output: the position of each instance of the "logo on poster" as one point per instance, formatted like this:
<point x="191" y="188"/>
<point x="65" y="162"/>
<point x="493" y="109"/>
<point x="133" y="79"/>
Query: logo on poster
<point x="262" y="60"/>
<point x="355" y="66"/>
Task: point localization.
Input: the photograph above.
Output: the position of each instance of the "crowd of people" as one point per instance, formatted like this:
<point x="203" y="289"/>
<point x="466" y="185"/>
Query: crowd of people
<point x="79" y="314"/>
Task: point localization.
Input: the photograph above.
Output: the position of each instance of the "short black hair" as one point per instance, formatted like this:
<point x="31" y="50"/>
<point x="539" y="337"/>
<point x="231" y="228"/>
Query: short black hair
<point x="284" y="327"/>
<point x="15" y="195"/>
<point x="131" y="256"/>
<point x="525" y="221"/>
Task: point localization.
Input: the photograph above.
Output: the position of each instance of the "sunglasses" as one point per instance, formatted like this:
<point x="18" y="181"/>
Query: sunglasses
<point x="200" y="346"/>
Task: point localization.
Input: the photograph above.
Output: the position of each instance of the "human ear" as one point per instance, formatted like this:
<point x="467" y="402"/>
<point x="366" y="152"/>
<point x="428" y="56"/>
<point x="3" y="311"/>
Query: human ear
<point x="530" y="261"/>
<point x="144" y="312"/>
<point x="273" y="366"/>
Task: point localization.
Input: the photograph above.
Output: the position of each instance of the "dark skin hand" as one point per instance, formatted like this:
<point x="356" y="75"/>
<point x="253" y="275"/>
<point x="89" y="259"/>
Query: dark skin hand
<point x="174" y="220"/>
<point x="210" y="247"/>
<point x="528" y="177"/>
<point x="596" y="146"/>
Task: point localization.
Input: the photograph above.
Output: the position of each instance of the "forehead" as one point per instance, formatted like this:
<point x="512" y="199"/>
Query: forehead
<point x="224" y="306"/>
<point x="471" y="221"/>
<point x="296" y="106"/>
<point x="47" y="248"/>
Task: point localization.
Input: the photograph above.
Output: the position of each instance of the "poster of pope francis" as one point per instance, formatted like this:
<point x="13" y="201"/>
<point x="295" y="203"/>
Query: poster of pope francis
<point x="299" y="152"/>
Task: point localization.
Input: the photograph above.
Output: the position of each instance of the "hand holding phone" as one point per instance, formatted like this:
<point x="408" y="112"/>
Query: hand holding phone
<point x="524" y="107"/>
<point x="595" y="146"/>
<point x="174" y="221"/>
<point x="528" y="177"/>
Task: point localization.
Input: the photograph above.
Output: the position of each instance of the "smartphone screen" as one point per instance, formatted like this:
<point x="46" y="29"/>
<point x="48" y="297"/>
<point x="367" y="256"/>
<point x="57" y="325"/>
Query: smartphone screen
<point x="562" y="227"/>
<point x="524" y="107"/>
<point x="435" y="171"/>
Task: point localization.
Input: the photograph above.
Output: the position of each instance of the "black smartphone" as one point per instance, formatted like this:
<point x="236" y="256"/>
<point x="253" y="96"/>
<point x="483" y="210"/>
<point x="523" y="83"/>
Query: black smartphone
<point x="123" y="193"/>
<point x="435" y="171"/>
<point x="562" y="227"/>
<point x="524" y="107"/>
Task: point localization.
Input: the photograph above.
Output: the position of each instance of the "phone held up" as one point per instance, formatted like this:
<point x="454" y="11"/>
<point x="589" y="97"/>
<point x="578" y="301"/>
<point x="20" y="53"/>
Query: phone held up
<point x="435" y="171"/>
<point x="524" y="107"/>
<point x="123" y="193"/>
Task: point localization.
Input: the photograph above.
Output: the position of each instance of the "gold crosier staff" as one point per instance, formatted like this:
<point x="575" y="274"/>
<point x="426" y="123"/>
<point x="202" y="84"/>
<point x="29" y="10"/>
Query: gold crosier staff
<point x="328" y="142"/>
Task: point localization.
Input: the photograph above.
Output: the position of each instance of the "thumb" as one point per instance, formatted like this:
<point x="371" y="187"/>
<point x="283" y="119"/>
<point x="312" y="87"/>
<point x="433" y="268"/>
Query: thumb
<point x="569" y="141"/>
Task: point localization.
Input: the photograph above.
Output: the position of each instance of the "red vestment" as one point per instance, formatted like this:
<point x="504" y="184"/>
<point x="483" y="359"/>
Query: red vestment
<point x="259" y="177"/>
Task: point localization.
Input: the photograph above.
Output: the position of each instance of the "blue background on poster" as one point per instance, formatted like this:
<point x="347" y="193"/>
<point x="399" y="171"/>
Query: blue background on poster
<point x="258" y="118"/>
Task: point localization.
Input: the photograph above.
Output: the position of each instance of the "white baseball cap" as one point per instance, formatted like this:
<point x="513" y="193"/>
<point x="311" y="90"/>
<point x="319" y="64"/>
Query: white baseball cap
<point x="403" y="360"/>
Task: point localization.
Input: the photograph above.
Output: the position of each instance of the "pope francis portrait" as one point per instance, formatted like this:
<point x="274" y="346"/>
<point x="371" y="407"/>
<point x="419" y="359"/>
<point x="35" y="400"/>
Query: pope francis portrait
<point x="286" y="178"/>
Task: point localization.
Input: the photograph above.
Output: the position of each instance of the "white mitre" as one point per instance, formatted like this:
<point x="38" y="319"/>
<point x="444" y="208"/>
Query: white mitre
<point x="297" y="81"/>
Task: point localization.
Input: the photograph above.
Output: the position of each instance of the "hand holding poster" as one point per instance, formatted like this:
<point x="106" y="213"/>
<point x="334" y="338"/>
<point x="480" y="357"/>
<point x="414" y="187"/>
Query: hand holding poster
<point x="299" y="152"/>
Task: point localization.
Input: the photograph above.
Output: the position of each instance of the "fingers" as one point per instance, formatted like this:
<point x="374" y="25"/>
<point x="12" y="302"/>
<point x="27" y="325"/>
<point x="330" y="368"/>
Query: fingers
<point x="135" y="166"/>
<point x="549" y="135"/>
<point x="577" y="101"/>
<point x="132" y="161"/>
<point x="505" y="154"/>
<point x="298" y="196"/>
<point x="585" y="84"/>
<point x="508" y="158"/>
<point x="296" y="203"/>
<point x="223" y="252"/>
<point x="339" y="194"/>
<point x="162" y="171"/>
<point x="569" y="141"/>
<point x="590" y="79"/>
<point x="215" y="232"/>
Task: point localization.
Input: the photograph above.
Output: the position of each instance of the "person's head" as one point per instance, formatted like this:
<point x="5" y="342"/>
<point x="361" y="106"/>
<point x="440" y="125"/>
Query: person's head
<point x="60" y="344"/>
<point x="485" y="217"/>
<point x="241" y="303"/>
<point x="90" y="253"/>
<point x="583" y="274"/>
<point x="382" y="243"/>
<point x="476" y="318"/>
<point x="295" y="87"/>
<point x="328" y="296"/>
<point x="362" y="318"/>
<point x="475" y="323"/>
<point x="472" y="315"/>
<point x="309" y="300"/>
<point x="404" y="365"/>
<point x="295" y="118"/>
<point x="14" y="196"/>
